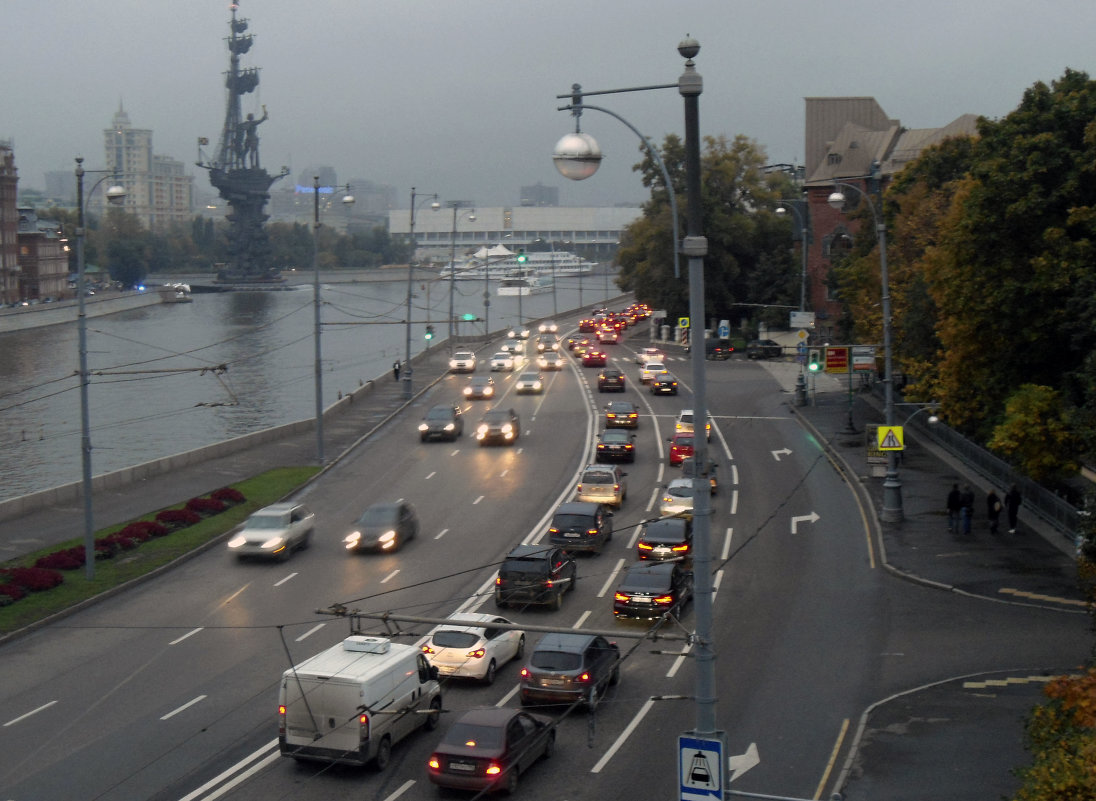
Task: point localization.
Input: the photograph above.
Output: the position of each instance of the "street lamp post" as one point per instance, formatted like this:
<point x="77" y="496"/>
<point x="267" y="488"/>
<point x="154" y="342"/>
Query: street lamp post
<point x="348" y="200"/>
<point x="801" y="218"/>
<point x="892" y="486"/>
<point x="577" y="156"/>
<point x="407" y="372"/>
<point x="115" y="195"/>
<point x="456" y="206"/>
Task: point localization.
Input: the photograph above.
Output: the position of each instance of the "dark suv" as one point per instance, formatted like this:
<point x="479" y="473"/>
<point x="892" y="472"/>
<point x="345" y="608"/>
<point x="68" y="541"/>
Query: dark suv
<point x="535" y="574"/>
<point x="610" y="379"/>
<point x="565" y="668"/>
<point x="581" y="526"/>
<point x="444" y="421"/>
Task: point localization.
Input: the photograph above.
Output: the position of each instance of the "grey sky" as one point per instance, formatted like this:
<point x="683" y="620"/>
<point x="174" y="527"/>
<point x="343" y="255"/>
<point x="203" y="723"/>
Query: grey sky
<point x="459" y="98"/>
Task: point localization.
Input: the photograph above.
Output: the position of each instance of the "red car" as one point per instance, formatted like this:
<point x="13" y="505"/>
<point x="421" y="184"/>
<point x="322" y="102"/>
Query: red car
<point x="594" y="358"/>
<point x="681" y="447"/>
<point x="587" y="326"/>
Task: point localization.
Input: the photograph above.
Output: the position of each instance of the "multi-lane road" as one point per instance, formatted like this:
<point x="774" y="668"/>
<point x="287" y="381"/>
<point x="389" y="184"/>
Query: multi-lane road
<point x="169" y="690"/>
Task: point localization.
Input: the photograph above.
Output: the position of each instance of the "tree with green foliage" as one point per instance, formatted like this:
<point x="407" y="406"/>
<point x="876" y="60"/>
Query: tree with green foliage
<point x="749" y="263"/>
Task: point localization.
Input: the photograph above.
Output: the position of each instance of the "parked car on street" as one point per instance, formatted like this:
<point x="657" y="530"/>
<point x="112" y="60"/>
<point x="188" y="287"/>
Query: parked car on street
<point x="764" y="349"/>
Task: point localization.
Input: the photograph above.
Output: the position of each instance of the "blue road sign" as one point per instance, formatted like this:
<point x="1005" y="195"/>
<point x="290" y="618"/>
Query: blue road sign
<point x="701" y="768"/>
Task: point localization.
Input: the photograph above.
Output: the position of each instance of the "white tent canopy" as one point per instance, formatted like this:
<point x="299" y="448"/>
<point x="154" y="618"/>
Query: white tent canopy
<point x="498" y="251"/>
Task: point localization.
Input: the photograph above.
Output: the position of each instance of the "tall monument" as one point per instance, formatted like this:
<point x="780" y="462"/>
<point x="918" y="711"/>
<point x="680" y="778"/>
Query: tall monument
<point x="236" y="172"/>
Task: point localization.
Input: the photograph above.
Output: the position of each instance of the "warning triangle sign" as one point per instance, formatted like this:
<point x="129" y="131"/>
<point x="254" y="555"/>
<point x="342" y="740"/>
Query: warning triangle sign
<point x="890" y="438"/>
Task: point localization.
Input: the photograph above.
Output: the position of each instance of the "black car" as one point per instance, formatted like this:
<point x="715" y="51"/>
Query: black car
<point x="668" y="539"/>
<point x="480" y="387"/>
<point x="535" y="574"/>
<point x="664" y="384"/>
<point x="718" y="349"/>
<point x="764" y="349"/>
<point x="383" y="527"/>
<point x="615" y="445"/>
<point x="621" y="414"/>
<point x="581" y="526"/>
<point x="499" y="425"/>
<point x="444" y="421"/>
<point x="565" y="668"/>
<point x="487" y="749"/>
<point x="610" y="379"/>
<point x="649" y="589"/>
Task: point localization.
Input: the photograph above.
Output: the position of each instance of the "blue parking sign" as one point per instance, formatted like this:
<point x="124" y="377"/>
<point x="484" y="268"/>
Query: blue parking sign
<point x="701" y="768"/>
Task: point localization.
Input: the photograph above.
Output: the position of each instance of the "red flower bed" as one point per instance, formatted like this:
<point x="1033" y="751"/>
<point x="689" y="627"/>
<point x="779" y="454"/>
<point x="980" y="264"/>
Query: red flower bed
<point x="12" y="591"/>
<point x="33" y="579"/>
<point x="228" y="495"/>
<point x="206" y="506"/>
<point x="117" y="542"/>
<point x="144" y="530"/>
<point x="177" y="518"/>
<point x="68" y="559"/>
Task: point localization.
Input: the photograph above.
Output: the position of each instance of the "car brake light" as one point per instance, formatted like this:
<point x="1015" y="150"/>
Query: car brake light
<point x="476" y="654"/>
<point x="592" y="532"/>
<point x="426" y="649"/>
<point x="643" y="546"/>
<point x="664" y="600"/>
<point x="580" y="488"/>
<point x="616" y="488"/>
<point x="498" y="580"/>
<point x="281" y="718"/>
<point x="548" y="584"/>
<point x="524" y="674"/>
<point x="434" y="763"/>
<point x="494" y="769"/>
<point x="584" y="678"/>
<point x="622" y="597"/>
<point x="684" y="547"/>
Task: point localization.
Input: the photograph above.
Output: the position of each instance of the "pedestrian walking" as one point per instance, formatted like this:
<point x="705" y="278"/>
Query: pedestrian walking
<point x="396" y="370"/>
<point x="993" y="510"/>
<point x="1012" y="507"/>
<point x="966" y="501"/>
<point x="954" y="504"/>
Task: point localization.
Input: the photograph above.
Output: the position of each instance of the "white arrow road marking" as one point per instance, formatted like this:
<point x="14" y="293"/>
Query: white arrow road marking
<point x="811" y="518"/>
<point x="781" y="452"/>
<point x="743" y="762"/>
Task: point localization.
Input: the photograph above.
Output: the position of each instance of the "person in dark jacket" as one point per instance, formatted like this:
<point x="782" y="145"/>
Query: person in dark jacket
<point x="967" y="512"/>
<point x="954" y="504"/>
<point x="993" y="510"/>
<point x="1012" y="506"/>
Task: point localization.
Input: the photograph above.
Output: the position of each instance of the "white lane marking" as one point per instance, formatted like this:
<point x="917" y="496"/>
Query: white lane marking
<point x="431" y="474"/>
<point x="734" y="503"/>
<point x="654" y="497"/>
<point x="403" y="788"/>
<point x="678" y="662"/>
<point x="311" y="631"/>
<point x="238" y="766"/>
<point x="247" y="774"/>
<point x="521" y="450"/>
<point x="390" y="576"/>
<point x="477" y="500"/>
<point x="727" y="545"/>
<point x="734" y="474"/>
<point x="441" y="533"/>
<point x="506" y="698"/>
<point x="283" y="581"/>
<point x="454" y="452"/>
<point x="26" y="715"/>
<point x="612" y="578"/>
<point x="715" y="584"/>
<point x="581" y="619"/>
<point x="635" y="536"/>
<point x="233" y="595"/>
<point x="188" y="634"/>
<point x="504" y="472"/>
<point x="187" y="705"/>
<point x="643" y="710"/>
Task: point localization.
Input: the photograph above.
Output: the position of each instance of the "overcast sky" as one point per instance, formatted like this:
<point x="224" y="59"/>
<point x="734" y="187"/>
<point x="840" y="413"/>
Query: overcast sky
<point x="459" y="98"/>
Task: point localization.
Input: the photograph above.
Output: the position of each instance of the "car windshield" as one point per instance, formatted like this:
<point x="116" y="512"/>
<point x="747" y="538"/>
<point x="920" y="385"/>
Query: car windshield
<point x="527" y="566"/>
<point x="502" y="356"/>
<point x="565" y="522"/>
<point x="655" y="366"/>
<point x="615" y="437"/>
<point x="479" y="382"/>
<point x="472" y="736"/>
<point x="683" y="442"/>
<point x="379" y="516"/>
<point x="447" y="638"/>
<point x="620" y="408"/>
<point x="463" y="356"/>
<point x="679" y="491"/>
<point x="530" y="377"/>
<point x="556" y="660"/>
<point x="496" y="417"/>
<point x="661" y="532"/>
<point x="598" y="477"/>
<point x="270" y="521"/>
<point x="439" y="413"/>
<point x="644" y="581"/>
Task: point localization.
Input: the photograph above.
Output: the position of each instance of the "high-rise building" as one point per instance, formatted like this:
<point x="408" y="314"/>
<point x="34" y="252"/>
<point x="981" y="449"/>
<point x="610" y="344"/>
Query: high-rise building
<point x="158" y="191"/>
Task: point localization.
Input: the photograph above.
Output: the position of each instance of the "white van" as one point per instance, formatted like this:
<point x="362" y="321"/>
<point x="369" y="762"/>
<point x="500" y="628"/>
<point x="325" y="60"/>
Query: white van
<point x="351" y="703"/>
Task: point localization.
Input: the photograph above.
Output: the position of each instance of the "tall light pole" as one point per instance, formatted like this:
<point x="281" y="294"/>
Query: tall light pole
<point x="577" y="156"/>
<point x="456" y="206"/>
<point x="801" y="218"/>
<point x="407" y="372"/>
<point x="892" y="511"/>
<point x="115" y="195"/>
<point x="348" y="200"/>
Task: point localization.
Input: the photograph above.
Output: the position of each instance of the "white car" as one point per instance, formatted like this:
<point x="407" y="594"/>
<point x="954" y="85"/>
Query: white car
<point x="470" y="646"/>
<point x="548" y="327"/>
<point x="550" y="361"/>
<point x="529" y="382"/>
<point x="502" y="361"/>
<point x="684" y="423"/>
<point x="677" y="498"/>
<point x="463" y="361"/>
<point x="513" y="346"/>
<point x="650" y="370"/>
<point x="275" y="532"/>
<point x="518" y="333"/>
<point x="644" y="355"/>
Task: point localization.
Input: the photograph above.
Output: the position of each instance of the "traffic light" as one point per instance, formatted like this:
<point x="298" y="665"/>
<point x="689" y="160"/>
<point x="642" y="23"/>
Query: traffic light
<point x="468" y="317"/>
<point x="521" y="255"/>
<point x="814" y="360"/>
<point x="429" y="333"/>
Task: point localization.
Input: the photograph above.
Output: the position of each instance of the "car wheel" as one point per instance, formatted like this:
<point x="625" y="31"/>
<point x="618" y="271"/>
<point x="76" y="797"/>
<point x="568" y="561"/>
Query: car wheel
<point x="521" y="647"/>
<point x="489" y="676"/>
<point x="422" y="438"/>
<point x="306" y="540"/>
<point x="592" y="699"/>
<point x="557" y="601"/>
<point x="550" y="746"/>
<point x="434" y="717"/>
<point x="384" y="753"/>
<point x="614" y="678"/>
<point x="511" y="780"/>
<point x="501" y="604"/>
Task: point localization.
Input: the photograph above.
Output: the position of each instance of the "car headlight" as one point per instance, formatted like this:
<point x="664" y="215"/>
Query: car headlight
<point x="450" y="426"/>
<point x="481" y="430"/>
<point x="507" y="429"/>
<point x="387" y="537"/>
<point x="467" y="390"/>
<point x="352" y="539"/>
<point x="536" y="385"/>
<point x="489" y="392"/>
<point x="423" y="427"/>
<point x="237" y="542"/>
<point x="273" y="544"/>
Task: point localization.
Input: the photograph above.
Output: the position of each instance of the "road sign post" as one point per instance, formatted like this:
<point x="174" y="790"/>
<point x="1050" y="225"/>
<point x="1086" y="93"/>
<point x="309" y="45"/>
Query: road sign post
<point x="702" y="766"/>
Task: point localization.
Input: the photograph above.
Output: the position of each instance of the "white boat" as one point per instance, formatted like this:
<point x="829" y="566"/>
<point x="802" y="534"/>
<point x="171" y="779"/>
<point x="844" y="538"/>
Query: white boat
<point x="175" y="293"/>
<point x="526" y="283"/>
<point x="500" y="262"/>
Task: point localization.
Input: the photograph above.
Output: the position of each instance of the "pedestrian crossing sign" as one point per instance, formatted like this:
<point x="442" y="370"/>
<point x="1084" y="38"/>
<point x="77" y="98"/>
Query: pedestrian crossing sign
<point x="890" y="438"/>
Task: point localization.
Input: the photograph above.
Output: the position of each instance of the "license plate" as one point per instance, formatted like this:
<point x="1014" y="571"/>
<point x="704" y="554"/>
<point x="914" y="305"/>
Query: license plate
<point x="572" y="535"/>
<point x="463" y="767"/>
<point x="640" y="600"/>
<point x="552" y="682"/>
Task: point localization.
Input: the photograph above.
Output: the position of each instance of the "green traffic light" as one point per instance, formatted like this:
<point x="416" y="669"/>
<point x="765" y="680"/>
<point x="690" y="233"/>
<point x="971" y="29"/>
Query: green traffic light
<point x="429" y="332"/>
<point x="521" y="256"/>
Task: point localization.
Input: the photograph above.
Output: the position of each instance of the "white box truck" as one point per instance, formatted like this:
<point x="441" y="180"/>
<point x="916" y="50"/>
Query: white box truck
<point x="353" y="702"/>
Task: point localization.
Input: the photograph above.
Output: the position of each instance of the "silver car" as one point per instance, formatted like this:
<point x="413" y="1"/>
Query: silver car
<point x="275" y="532"/>
<point x="532" y="383"/>
<point x="502" y="361"/>
<point x="602" y="483"/>
<point x="677" y="498"/>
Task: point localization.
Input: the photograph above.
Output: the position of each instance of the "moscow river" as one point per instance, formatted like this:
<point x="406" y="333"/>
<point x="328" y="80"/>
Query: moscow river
<point x="156" y="388"/>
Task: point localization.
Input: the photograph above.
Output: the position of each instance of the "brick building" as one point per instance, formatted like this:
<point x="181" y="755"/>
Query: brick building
<point x="9" y="226"/>
<point x="43" y="259"/>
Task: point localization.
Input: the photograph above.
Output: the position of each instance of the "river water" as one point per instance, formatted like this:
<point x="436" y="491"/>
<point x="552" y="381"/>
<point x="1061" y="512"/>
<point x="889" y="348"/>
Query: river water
<point x="149" y="396"/>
